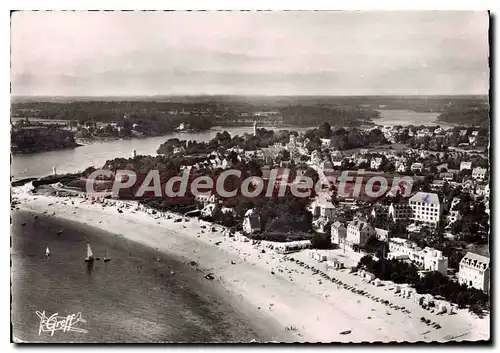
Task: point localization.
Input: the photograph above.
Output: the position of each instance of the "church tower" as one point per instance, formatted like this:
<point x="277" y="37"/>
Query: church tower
<point x="255" y="127"/>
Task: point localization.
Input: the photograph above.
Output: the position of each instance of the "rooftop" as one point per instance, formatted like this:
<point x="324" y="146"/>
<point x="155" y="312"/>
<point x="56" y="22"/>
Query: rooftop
<point x="425" y="197"/>
<point x="475" y="260"/>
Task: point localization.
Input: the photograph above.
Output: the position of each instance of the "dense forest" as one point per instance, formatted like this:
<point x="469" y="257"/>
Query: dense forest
<point x="469" y="115"/>
<point x="40" y="139"/>
<point x="300" y="115"/>
<point x="156" y="117"/>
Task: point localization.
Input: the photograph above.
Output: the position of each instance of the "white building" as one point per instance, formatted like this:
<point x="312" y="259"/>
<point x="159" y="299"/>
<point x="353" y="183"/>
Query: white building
<point x="358" y="232"/>
<point x="475" y="271"/>
<point x="179" y="150"/>
<point x="483" y="190"/>
<point x="292" y="246"/>
<point x="428" y="258"/>
<point x="375" y="163"/>
<point x="453" y="216"/>
<point x="382" y="234"/>
<point x="417" y="167"/>
<point x="361" y="160"/>
<point x="337" y="160"/>
<point x="205" y="199"/>
<point x="400" y="167"/>
<point x="479" y="173"/>
<point x="315" y="158"/>
<point x="447" y="176"/>
<point x="338" y="232"/>
<point x="251" y="222"/>
<point x="326" y="142"/>
<point x="465" y="165"/>
<point x="426" y="208"/>
<point x="323" y="208"/>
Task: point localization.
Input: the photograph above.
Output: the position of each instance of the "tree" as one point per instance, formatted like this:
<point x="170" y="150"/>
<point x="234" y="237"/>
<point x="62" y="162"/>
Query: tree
<point x="325" y="130"/>
<point x="321" y="241"/>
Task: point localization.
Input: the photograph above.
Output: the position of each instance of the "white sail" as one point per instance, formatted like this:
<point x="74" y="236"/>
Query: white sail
<point x="47" y="251"/>
<point x="89" y="252"/>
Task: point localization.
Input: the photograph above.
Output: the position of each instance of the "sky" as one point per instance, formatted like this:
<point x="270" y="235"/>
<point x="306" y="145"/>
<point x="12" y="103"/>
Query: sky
<point x="249" y="53"/>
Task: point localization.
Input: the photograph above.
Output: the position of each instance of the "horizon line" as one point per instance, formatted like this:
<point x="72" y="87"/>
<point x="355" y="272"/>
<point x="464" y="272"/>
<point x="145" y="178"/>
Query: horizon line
<point x="257" y="95"/>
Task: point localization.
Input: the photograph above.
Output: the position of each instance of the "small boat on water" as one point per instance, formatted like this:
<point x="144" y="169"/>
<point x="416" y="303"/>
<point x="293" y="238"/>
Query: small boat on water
<point x="106" y="258"/>
<point x="47" y="252"/>
<point x="90" y="254"/>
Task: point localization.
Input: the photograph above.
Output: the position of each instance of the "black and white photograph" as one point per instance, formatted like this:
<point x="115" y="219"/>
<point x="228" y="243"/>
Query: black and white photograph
<point x="250" y="176"/>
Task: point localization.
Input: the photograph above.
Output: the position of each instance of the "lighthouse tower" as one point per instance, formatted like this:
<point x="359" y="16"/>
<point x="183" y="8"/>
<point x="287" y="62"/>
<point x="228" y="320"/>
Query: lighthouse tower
<point x="255" y="127"/>
<point x="134" y="153"/>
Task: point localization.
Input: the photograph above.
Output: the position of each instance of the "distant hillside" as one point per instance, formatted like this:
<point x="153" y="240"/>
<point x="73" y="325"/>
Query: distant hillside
<point x="40" y="139"/>
<point x="467" y="115"/>
<point x="299" y="115"/>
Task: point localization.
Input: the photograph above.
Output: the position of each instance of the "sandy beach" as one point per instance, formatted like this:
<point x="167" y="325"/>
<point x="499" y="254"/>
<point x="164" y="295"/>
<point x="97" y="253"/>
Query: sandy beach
<point x="305" y="307"/>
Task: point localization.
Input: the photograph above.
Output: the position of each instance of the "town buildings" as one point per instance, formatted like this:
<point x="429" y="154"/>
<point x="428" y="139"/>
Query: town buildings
<point x="479" y="173"/>
<point x="338" y="232"/>
<point x="358" y="232"/>
<point x="417" y="167"/>
<point x="474" y="271"/>
<point x="400" y="211"/>
<point x="465" y="165"/>
<point x="426" y="208"/>
<point x="375" y="163"/>
<point x="428" y="258"/>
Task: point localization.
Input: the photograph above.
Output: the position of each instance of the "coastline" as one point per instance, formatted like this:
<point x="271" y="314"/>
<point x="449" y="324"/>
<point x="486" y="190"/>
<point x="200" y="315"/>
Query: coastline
<point x="140" y="287"/>
<point x="261" y="283"/>
<point x="31" y="151"/>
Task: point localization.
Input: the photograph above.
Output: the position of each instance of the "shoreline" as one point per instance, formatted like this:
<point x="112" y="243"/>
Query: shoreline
<point x="164" y="275"/>
<point x="262" y="283"/>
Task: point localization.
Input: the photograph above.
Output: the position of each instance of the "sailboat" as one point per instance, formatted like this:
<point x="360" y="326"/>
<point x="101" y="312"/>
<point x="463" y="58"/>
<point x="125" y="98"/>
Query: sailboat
<point x="47" y="252"/>
<point x="90" y="255"/>
<point x="106" y="258"/>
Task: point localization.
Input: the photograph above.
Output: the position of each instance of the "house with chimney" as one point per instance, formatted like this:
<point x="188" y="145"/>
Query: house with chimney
<point x="358" y="232"/>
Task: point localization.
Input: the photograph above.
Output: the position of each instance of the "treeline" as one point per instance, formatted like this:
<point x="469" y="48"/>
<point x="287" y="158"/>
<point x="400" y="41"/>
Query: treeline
<point x="154" y="117"/>
<point x="433" y="283"/>
<point x="478" y="115"/>
<point x="342" y="139"/>
<point x="223" y="141"/>
<point x="300" y="115"/>
<point x="41" y="139"/>
<point x="282" y="218"/>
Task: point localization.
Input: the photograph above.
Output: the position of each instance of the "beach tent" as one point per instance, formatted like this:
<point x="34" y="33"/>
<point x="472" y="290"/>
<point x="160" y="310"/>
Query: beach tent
<point x="442" y="308"/>
<point x="369" y="276"/>
<point x="419" y="299"/>
<point x="408" y="292"/>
